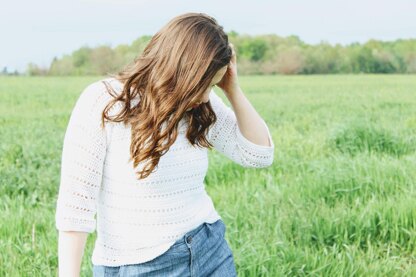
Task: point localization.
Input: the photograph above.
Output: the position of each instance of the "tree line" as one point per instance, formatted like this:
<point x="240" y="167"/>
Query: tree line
<point x="261" y="54"/>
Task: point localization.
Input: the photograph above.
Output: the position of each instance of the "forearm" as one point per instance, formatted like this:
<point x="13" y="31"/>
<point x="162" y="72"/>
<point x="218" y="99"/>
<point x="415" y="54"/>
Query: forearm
<point x="70" y="252"/>
<point x="249" y="121"/>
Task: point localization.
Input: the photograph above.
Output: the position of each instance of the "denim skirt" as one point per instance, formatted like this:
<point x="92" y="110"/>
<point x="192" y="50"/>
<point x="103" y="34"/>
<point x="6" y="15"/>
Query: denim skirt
<point x="202" y="251"/>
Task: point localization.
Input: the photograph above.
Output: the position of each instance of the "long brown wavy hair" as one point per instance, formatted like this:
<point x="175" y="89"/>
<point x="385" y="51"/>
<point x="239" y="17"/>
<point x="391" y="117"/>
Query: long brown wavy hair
<point x="170" y="76"/>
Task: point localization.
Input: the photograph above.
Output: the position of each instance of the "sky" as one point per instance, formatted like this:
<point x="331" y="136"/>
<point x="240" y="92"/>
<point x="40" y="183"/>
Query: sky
<point x="38" y="31"/>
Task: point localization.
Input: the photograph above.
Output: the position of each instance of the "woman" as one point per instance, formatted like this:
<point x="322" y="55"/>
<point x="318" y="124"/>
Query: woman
<point x="135" y="154"/>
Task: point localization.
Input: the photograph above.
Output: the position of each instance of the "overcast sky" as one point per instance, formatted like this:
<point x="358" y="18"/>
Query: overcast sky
<point x="36" y="31"/>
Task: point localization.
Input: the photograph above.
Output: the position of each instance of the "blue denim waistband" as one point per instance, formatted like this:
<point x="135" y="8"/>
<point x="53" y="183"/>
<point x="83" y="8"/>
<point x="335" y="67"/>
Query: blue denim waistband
<point x="201" y="233"/>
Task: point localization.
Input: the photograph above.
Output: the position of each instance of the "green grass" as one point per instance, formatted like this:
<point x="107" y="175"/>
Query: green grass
<point x="339" y="199"/>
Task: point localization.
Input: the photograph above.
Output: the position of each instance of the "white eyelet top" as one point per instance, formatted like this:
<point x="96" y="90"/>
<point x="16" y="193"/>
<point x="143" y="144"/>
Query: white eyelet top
<point x="138" y="220"/>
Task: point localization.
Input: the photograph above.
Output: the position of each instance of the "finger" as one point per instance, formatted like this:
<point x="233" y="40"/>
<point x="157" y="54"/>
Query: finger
<point x="233" y="57"/>
<point x="233" y="54"/>
<point x="232" y="49"/>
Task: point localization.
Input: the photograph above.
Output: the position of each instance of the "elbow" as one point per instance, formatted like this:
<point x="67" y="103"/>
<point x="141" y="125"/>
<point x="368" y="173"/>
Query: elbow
<point x="255" y="155"/>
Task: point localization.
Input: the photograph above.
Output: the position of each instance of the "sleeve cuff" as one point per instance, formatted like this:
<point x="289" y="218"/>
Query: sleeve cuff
<point x="75" y="224"/>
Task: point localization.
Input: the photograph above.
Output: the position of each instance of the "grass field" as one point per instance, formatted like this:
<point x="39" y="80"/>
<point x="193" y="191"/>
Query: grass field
<point x="339" y="200"/>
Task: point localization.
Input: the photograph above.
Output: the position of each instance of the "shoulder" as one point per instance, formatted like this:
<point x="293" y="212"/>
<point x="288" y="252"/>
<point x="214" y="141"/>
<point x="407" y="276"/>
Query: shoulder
<point x="96" y="95"/>
<point x="99" y="90"/>
<point x="91" y="102"/>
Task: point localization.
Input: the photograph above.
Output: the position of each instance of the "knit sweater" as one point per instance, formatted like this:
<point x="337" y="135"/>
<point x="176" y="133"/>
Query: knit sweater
<point x="138" y="220"/>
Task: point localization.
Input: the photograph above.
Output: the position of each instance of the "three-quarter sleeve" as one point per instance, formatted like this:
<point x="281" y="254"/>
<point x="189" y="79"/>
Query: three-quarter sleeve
<point x="227" y="138"/>
<point x="82" y="160"/>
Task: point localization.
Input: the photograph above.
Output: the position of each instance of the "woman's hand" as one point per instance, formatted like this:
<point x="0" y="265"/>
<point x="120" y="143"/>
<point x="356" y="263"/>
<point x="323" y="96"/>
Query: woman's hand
<point x="229" y="83"/>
